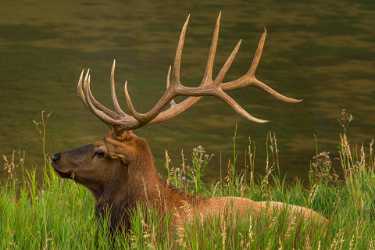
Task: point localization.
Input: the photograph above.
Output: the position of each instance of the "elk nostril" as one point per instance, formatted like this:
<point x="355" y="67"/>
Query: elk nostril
<point x="56" y="157"/>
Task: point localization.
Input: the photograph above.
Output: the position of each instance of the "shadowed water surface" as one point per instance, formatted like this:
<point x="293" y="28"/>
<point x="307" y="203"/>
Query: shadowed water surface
<point x="323" y="52"/>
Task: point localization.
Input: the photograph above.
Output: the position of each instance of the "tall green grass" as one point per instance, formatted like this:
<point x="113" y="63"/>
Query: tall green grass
<point x="59" y="214"/>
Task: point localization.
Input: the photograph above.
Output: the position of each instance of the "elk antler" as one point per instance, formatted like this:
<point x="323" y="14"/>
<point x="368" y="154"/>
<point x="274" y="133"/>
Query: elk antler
<point x="208" y="87"/>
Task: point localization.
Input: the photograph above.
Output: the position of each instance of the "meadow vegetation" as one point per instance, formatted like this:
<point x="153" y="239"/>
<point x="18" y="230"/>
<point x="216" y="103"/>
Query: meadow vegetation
<point x="51" y="213"/>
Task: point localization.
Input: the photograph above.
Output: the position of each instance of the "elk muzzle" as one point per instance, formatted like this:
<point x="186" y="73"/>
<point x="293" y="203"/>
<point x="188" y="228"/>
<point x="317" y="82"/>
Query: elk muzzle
<point x="66" y="163"/>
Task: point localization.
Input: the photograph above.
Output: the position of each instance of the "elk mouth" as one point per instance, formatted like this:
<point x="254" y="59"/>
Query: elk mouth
<point x="62" y="173"/>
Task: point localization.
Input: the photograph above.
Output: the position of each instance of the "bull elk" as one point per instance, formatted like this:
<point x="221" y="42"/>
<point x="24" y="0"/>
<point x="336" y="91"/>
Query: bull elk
<point x="119" y="170"/>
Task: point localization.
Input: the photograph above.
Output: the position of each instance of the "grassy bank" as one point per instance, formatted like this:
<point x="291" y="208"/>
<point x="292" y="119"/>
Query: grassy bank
<point x="58" y="214"/>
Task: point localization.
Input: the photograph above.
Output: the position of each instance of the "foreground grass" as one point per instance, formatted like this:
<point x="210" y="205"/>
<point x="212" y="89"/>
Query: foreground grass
<point x="60" y="214"/>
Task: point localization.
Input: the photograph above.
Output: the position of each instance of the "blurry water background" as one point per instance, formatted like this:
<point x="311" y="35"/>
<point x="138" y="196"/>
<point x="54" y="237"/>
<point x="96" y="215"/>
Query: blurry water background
<point x="321" y="51"/>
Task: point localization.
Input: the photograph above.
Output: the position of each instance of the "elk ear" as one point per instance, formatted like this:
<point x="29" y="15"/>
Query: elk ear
<point x="120" y="150"/>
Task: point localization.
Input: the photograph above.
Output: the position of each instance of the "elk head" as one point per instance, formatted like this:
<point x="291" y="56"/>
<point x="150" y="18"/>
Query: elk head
<point x="106" y="163"/>
<point x="122" y="156"/>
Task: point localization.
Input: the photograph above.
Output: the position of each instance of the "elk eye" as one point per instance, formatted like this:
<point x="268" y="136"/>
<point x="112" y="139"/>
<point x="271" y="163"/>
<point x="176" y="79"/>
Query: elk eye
<point x="99" y="153"/>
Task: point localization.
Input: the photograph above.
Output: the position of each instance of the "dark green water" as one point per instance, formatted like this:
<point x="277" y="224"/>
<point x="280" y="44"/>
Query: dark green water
<point x="323" y="52"/>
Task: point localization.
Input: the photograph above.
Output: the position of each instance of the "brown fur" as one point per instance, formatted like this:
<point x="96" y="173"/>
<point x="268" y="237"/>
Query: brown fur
<point x="126" y="177"/>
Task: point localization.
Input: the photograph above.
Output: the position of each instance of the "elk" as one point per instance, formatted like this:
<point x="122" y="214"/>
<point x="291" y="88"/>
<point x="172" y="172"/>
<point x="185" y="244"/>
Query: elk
<point x="119" y="170"/>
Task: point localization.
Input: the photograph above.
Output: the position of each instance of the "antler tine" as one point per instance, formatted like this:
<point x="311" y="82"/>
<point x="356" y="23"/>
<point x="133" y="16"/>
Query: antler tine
<point x="168" y="79"/>
<point x="99" y="113"/>
<point x="82" y="95"/>
<point x="249" y="77"/>
<point x="179" y="49"/>
<point x="129" y="103"/>
<point x="260" y="84"/>
<point x="79" y="88"/>
<point x="228" y="63"/>
<point x="116" y="105"/>
<point x="99" y="105"/>
<point x="258" y="54"/>
<point x="233" y="104"/>
<point x="274" y="93"/>
<point x="207" y="78"/>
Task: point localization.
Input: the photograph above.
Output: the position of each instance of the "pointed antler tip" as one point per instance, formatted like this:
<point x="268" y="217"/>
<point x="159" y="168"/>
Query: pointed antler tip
<point x="260" y="121"/>
<point x="293" y="100"/>
<point x="81" y="76"/>
<point x="265" y="30"/>
<point x="169" y="72"/>
<point x="218" y="20"/>
<point x="255" y="119"/>
<point x="87" y="74"/>
<point x="113" y="69"/>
